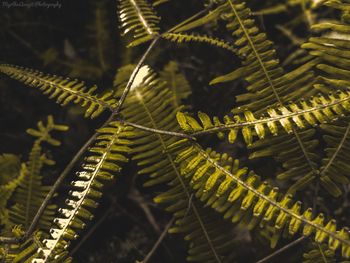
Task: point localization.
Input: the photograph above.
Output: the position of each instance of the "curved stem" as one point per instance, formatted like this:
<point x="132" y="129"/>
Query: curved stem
<point x="159" y="241"/>
<point x="279" y="251"/>
<point x="133" y="76"/>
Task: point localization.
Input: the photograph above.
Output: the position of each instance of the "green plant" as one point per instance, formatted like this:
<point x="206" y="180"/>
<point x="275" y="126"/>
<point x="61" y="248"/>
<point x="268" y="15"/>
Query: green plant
<point x="296" y="118"/>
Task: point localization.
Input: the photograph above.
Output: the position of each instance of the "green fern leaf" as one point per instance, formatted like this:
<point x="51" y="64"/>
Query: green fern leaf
<point x="240" y="193"/>
<point x="10" y="165"/>
<point x="320" y="109"/>
<point x="319" y="253"/>
<point x="285" y="148"/>
<point x="62" y="89"/>
<point x="183" y="38"/>
<point x="24" y="252"/>
<point x="7" y="188"/>
<point x="151" y="104"/>
<point x="101" y="36"/>
<point x="107" y="154"/>
<point x="139" y="20"/>
<point x="31" y="192"/>
<point x="334" y="169"/>
<point x="268" y="84"/>
<point x="176" y="82"/>
<point x="332" y="48"/>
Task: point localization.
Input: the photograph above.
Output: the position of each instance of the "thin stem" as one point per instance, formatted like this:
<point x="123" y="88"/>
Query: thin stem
<point x="159" y="241"/>
<point x="322" y="253"/>
<point x="336" y="153"/>
<point x="139" y="200"/>
<point x="191" y="18"/>
<point x="279" y="251"/>
<point x="152" y="130"/>
<point x="133" y="76"/>
<point x="23" y="42"/>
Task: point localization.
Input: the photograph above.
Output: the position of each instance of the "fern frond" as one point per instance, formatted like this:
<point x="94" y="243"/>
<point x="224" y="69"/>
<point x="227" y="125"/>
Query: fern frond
<point x="24" y="252"/>
<point x="319" y="254"/>
<point x="31" y="192"/>
<point x="64" y="90"/>
<point x="268" y="84"/>
<point x="139" y="20"/>
<point x="332" y="50"/>
<point x="190" y="24"/>
<point x="6" y="190"/>
<point x="182" y="38"/>
<point x="285" y="149"/>
<point x="101" y="36"/>
<point x="151" y="104"/>
<point x="159" y="2"/>
<point x="107" y="154"/>
<point x="10" y="165"/>
<point x="242" y="196"/>
<point x="320" y="109"/>
<point x="43" y="132"/>
<point x="335" y="168"/>
<point x="176" y="82"/>
<point x="338" y="4"/>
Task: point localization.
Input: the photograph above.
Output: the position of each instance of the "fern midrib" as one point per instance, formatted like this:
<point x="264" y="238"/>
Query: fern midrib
<point x="33" y="160"/>
<point x="142" y="19"/>
<point x="334" y="156"/>
<point x="266" y="198"/>
<point x="271" y="119"/>
<point x="194" y="208"/>
<point x="257" y="55"/>
<point x="98" y="167"/>
<point x="270" y="82"/>
<point x="322" y="253"/>
<point x="182" y="37"/>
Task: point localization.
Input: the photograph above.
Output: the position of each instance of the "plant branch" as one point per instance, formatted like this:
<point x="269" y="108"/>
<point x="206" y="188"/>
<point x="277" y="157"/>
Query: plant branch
<point x="195" y="16"/>
<point x="92" y="230"/>
<point x="282" y="249"/>
<point x="152" y="130"/>
<point x="133" y="76"/>
<point x="159" y="241"/>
